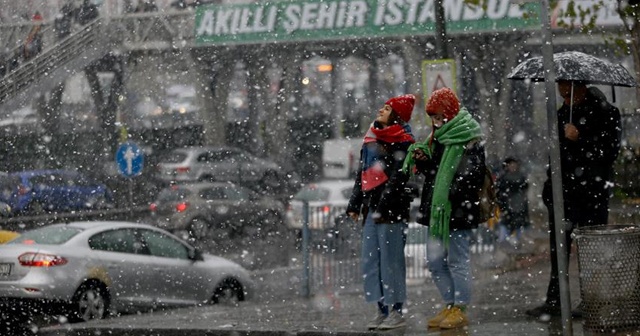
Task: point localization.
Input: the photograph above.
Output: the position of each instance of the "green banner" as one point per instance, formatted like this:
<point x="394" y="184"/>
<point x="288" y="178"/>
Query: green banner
<point x="311" y="20"/>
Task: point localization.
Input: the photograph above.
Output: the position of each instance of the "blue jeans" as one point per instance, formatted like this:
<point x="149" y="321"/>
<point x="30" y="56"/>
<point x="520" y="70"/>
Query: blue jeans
<point x="450" y="268"/>
<point x="383" y="266"/>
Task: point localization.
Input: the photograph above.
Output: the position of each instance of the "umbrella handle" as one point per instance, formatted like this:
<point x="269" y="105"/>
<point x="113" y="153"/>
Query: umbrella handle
<point x="571" y="105"/>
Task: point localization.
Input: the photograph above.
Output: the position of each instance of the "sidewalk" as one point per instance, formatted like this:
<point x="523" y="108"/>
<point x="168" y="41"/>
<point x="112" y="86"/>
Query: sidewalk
<point x="501" y="296"/>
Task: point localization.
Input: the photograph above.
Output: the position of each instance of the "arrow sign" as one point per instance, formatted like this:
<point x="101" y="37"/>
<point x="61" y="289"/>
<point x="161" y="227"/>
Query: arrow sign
<point x="130" y="159"/>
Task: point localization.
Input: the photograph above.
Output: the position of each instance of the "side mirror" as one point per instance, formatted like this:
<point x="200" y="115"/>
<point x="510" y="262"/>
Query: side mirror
<point x="196" y="255"/>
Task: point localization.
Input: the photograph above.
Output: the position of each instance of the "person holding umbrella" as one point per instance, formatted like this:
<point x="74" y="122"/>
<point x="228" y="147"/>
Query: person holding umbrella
<point x="589" y="137"/>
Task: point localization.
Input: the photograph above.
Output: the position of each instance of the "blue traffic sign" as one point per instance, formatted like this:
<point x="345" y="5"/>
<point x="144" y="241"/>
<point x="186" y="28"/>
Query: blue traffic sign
<point x="130" y="159"/>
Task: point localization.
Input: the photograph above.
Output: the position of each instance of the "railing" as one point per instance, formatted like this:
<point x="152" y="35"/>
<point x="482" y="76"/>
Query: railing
<point x="143" y="31"/>
<point x="89" y="39"/>
<point x="139" y="31"/>
<point x="331" y="250"/>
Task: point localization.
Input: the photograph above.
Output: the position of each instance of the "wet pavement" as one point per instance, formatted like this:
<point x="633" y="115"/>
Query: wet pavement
<point x="506" y="283"/>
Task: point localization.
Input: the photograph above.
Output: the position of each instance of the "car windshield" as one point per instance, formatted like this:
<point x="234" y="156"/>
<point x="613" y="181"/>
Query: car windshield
<point x="312" y="193"/>
<point x="173" y="194"/>
<point x="49" y="235"/>
<point x="8" y="184"/>
<point x="174" y="157"/>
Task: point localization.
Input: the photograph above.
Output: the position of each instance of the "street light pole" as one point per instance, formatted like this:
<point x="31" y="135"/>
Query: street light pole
<point x="556" y="177"/>
<point x="442" y="48"/>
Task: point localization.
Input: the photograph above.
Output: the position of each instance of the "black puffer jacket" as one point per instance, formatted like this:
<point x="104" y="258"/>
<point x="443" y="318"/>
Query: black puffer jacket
<point x="587" y="163"/>
<point x="390" y="199"/>
<point x="465" y="186"/>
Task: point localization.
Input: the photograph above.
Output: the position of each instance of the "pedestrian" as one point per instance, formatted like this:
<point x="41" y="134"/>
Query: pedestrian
<point x="511" y="187"/>
<point x="33" y="43"/>
<point x="452" y="160"/>
<point x="590" y="131"/>
<point x="379" y="195"/>
<point x="64" y="19"/>
<point x="86" y="13"/>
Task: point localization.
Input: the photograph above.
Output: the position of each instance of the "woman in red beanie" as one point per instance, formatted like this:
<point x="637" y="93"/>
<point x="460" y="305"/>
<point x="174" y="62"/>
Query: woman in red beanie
<point x="452" y="160"/>
<point x="379" y="195"/>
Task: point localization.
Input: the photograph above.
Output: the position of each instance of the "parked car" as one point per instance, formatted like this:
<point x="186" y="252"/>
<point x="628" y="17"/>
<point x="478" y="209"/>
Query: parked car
<point x="87" y="270"/>
<point x="217" y="210"/>
<point x="328" y="200"/>
<point x="222" y="164"/>
<point x="6" y="235"/>
<point x="39" y="191"/>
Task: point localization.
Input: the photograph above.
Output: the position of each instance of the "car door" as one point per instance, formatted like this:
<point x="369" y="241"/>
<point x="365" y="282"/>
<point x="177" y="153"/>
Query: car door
<point x="246" y="208"/>
<point x="126" y="259"/>
<point x="50" y="191"/>
<point x="248" y="166"/>
<point x="84" y="191"/>
<point x="230" y="164"/>
<point x="179" y="280"/>
<point x="221" y="210"/>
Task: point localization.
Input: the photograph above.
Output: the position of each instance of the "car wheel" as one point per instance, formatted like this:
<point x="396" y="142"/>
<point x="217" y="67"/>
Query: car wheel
<point x="230" y="291"/>
<point x="89" y="303"/>
<point x="270" y="180"/>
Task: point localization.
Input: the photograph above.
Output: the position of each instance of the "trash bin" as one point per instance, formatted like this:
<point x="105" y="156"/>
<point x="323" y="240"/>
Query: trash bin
<point x="609" y="265"/>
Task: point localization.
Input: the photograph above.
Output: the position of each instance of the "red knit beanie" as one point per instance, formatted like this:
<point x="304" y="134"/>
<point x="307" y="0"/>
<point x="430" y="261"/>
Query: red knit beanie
<point x="402" y="105"/>
<point x="443" y="99"/>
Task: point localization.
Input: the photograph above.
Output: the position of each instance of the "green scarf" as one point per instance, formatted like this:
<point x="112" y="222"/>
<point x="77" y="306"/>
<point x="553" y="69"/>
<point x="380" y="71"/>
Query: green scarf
<point x="454" y="135"/>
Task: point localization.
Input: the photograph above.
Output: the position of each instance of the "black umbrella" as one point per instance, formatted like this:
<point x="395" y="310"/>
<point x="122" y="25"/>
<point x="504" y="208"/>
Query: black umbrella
<point x="575" y="66"/>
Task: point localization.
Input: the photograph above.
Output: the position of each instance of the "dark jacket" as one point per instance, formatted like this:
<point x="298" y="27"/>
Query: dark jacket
<point x="390" y="199"/>
<point x="511" y="190"/>
<point x="587" y="164"/>
<point x="465" y="186"/>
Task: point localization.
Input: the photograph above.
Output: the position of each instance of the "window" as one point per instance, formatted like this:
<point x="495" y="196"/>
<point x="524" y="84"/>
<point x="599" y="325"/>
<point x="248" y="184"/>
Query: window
<point x="50" y="235"/>
<point x="174" y="157"/>
<point x="47" y="180"/>
<point x="236" y="194"/>
<point x="346" y="193"/>
<point x="8" y="184"/>
<point x="121" y="240"/>
<point x="161" y="245"/>
<point x="173" y="195"/>
<point x="212" y="194"/>
<point x="312" y="193"/>
<point x="205" y="157"/>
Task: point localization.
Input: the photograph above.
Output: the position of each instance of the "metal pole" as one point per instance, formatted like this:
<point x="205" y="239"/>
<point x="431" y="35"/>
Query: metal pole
<point x="306" y="288"/>
<point x="556" y="177"/>
<point x="442" y="47"/>
<point x="131" y="196"/>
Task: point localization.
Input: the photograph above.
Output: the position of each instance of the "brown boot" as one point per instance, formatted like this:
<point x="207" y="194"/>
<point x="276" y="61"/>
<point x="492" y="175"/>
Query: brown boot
<point x="434" y="322"/>
<point x="455" y="319"/>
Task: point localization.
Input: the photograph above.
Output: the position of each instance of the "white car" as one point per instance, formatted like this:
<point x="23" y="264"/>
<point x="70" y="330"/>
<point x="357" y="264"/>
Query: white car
<point x="88" y="269"/>
<point x="221" y="164"/>
<point x="328" y="200"/>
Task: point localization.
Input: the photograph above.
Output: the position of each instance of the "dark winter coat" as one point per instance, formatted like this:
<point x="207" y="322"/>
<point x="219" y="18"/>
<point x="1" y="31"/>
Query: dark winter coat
<point x="390" y="199"/>
<point x="511" y="188"/>
<point x="587" y="164"/>
<point x="466" y="184"/>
